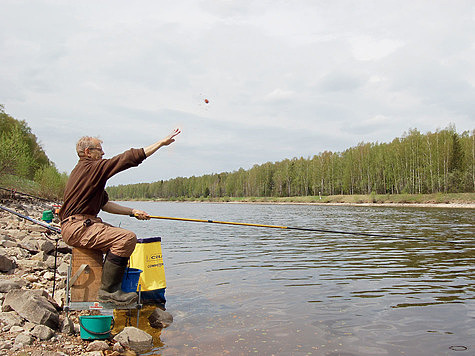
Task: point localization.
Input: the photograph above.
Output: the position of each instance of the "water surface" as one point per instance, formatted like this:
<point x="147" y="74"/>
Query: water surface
<point x="246" y="290"/>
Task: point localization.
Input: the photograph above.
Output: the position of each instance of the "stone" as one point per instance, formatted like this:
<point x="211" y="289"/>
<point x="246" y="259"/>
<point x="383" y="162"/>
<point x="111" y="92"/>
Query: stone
<point x="97" y="345"/>
<point x="30" y="244"/>
<point x="46" y="246"/>
<point x="118" y="348"/>
<point x="9" y="244"/>
<point x="50" y="261"/>
<point x="6" y="285"/>
<point x="40" y="256"/>
<point x="42" y="332"/>
<point x="134" y="338"/>
<point x="67" y="326"/>
<point x="6" y="263"/>
<point x="16" y="329"/>
<point x="47" y="353"/>
<point x="64" y="248"/>
<point x="5" y="345"/>
<point x="60" y="295"/>
<point x="32" y="278"/>
<point x="62" y="270"/>
<point x="160" y="319"/>
<point x="24" y="338"/>
<point x="48" y="276"/>
<point x="31" y="265"/>
<point x="33" y="306"/>
<point x="10" y="319"/>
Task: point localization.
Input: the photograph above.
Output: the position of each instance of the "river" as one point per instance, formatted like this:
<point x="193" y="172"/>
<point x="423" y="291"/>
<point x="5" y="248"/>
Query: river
<point x="246" y="290"/>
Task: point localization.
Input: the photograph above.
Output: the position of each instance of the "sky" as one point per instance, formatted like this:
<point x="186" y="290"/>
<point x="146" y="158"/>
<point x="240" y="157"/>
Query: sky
<point x="283" y="79"/>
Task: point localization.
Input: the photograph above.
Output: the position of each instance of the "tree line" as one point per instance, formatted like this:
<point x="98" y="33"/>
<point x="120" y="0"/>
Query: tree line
<point x="441" y="161"/>
<point x="23" y="162"/>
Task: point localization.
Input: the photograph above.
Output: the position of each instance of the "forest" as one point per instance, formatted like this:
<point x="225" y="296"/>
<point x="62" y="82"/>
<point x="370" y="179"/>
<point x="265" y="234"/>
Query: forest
<point x="24" y="164"/>
<point x="417" y="163"/>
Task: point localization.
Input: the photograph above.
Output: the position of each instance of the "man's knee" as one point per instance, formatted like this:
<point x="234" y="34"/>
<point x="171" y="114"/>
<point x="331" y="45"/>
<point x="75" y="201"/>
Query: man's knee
<point x="129" y="241"/>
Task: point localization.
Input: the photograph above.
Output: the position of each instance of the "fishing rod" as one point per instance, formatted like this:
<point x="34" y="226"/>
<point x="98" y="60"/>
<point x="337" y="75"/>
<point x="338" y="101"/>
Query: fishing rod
<point x="34" y="221"/>
<point x="49" y="227"/>
<point x="296" y="228"/>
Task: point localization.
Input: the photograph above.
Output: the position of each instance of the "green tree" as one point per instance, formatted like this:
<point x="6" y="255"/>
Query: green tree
<point x="15" y="155"/>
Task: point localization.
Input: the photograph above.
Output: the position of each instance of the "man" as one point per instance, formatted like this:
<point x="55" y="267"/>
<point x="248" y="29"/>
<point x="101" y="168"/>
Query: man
<point x="85" y="196"/>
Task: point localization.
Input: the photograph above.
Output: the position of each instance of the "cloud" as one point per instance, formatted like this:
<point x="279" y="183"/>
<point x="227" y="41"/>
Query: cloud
<point x="284" y="79"/>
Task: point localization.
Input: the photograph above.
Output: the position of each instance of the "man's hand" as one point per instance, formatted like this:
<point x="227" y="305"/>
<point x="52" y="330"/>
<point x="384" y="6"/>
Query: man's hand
<point x="140" y="214"/>
<point x="149" y="150"/>
<point x="170" y="138"/>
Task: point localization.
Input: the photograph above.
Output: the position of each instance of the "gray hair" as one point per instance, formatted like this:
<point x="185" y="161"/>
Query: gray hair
<point x="86" y="142"/>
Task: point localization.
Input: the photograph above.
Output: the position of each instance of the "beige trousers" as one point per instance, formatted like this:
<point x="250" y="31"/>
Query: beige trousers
<point x="91" y="232"/>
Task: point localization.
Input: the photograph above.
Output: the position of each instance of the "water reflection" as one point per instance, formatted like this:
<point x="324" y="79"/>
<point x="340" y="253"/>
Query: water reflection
<point x="239" y="289"/>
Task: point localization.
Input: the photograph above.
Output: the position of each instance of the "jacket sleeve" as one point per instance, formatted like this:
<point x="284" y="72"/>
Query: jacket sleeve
<point x="121" y="162"/>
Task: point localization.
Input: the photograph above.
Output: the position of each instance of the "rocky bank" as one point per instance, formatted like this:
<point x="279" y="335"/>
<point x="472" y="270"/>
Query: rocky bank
<point x="32" y="320"/>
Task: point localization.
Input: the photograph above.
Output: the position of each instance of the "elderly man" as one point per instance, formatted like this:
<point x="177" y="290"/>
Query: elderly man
<point x="85" y="196"/>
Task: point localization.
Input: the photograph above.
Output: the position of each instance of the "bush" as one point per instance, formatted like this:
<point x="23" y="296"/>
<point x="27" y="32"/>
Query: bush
<point x="15" y="155"/>
<point x="51" y="183"/>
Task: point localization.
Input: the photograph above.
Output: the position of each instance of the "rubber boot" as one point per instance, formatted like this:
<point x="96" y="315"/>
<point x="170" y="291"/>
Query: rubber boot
<point x="111" y="283"/>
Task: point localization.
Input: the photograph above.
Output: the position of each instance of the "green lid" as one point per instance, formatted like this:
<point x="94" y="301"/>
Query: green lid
<point x="47" y="215"/>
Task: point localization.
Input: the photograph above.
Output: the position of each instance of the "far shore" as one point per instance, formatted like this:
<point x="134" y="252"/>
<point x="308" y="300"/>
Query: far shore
<point x="452" y="200"/>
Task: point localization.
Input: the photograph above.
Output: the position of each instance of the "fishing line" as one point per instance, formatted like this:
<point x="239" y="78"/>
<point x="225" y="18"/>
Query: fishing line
<point x="300" y="229"/>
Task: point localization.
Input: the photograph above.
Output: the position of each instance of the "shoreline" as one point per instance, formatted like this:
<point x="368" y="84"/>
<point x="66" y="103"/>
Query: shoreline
<point x="394" y="204"/>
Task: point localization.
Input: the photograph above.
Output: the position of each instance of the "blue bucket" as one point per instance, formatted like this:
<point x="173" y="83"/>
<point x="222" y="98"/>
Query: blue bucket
<point x="95" y="327"/>
<point x="131" y="279"/>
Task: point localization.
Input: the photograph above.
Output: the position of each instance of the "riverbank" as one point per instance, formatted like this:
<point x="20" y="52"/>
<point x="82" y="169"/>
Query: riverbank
<point x="438" y="200"/>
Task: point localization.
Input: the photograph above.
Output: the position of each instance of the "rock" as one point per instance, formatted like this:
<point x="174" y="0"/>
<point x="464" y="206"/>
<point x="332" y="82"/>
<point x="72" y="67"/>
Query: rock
<point x="31" y="265"/>
<point x="49" y="261"/>
<point x="30" y="244"/>
<point x="6" y="285"/>
<point x="47" y="353"/>
<point x="6" y="263"/>
<point x="92" y="353"/>
<point x="24" y="338"/>
<point x="8" y="244"/>
<point x="67" y="326"/>
<point x="6" y="345"/>
<point x="118" y="348"/>
<point x="37" y="228"/>
<point x="48" y="276"/>
<point x="64" y="248"/>
<point x="97" y="345"/>
<point x="10" y="319"/>
<point x="32" y="278"/>
<point x="33" y="306"/>
<point x="60" y="296"/>
<point x="46" y="246"/>
<point x="17" y="235"/>
<point x="62" y="270"/>
<point x="160" y="319"/>
<point x="16" y="329"/>
<point x="42" y="332"/>
<point x="28" y="326"/>
<point x="40" y="256"/>
<point x="135" y="339"/>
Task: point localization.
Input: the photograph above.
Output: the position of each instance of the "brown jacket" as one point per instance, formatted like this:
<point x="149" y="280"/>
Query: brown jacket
<point x="84" y="193"/>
